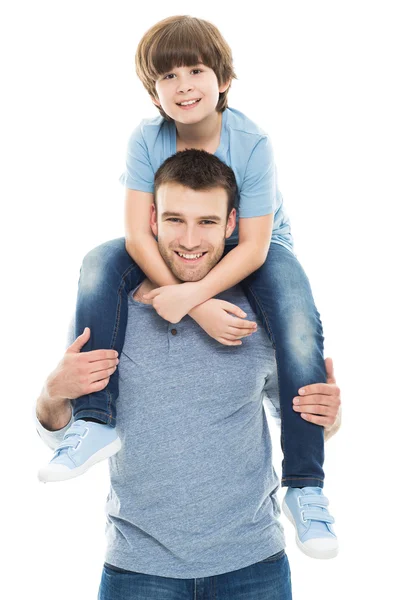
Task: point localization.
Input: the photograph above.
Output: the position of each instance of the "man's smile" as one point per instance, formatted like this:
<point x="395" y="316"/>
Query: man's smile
<point x="190" y="257"/>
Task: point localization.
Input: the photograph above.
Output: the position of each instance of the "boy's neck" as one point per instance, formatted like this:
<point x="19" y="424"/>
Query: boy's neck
<point x="204" y="135"/>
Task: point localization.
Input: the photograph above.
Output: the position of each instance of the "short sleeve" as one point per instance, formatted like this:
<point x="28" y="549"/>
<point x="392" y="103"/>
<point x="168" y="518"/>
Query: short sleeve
<point x="258" y="191"/>
<point x="139" y="174"/>
<point x="271" y="396"/>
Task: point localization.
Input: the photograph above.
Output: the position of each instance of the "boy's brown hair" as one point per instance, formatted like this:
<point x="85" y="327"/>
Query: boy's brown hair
<point x="183" y="41"/>
<point x="198" y="170"/>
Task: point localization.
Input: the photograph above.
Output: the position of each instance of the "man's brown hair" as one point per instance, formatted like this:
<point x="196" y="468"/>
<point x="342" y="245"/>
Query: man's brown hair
<point x="198" y="170"/>
<point x="183" y="41"/>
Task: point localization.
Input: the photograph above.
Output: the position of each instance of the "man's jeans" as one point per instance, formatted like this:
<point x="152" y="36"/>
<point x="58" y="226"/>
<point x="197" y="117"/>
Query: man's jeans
<point x="269" y="579"/>
<point x="280" y="295"/>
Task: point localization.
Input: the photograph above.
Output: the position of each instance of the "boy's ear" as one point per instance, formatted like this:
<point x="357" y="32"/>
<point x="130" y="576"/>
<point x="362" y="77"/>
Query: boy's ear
<point x="224" y="86"/>
<point x="155" y="100"/>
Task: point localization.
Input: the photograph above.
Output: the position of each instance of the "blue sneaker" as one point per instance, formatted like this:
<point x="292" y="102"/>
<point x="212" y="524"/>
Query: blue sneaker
<point x="306" y="510"/>
<point x="84" y="444"/>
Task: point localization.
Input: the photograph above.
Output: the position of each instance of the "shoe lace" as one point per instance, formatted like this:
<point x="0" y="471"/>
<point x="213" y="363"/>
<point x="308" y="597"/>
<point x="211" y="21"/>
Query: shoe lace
<point x="315" y="501"/>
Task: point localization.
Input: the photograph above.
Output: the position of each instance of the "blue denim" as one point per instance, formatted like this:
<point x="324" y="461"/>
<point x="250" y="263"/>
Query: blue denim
<point x="280" y="295"/>
<point x="269" y="578"/>
<point x="279" y="292"/>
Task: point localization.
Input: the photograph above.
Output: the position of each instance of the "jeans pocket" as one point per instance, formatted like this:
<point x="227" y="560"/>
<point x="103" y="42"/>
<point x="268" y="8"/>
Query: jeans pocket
<point x="274" y="557"/>
<point x="109" y="567"/>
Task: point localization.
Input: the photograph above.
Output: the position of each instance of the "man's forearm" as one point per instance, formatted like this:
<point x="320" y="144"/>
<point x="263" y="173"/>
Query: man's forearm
<point x="53" y="413"/>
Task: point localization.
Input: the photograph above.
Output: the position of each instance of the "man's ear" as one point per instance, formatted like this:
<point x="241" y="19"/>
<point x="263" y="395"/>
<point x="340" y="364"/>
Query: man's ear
<point x="153" y="219"/>
<point x="231" y="223"/>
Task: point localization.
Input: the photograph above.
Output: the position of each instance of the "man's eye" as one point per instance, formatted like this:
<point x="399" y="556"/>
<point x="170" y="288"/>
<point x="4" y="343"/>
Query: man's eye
<point x="173" y="219"/>
<point x="208" y="222"/>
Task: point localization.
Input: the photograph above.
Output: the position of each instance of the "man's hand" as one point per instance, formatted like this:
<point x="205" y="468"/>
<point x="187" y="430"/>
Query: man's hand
<point x="320" y="403"/>
<point x="215" y="318"/>
<point x="80" y="373"/>
<point x="173" y="302"/>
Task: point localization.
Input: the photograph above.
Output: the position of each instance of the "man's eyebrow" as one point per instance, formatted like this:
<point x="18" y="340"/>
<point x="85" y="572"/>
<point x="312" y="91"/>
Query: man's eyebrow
<point x="168" y="213"/>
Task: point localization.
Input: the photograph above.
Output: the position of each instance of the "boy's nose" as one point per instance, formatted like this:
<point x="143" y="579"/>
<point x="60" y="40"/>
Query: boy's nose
<point x="184" y="88"/>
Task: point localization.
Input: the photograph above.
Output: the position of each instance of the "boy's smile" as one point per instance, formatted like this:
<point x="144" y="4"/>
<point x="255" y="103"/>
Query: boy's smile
<point x="188" y="94"/>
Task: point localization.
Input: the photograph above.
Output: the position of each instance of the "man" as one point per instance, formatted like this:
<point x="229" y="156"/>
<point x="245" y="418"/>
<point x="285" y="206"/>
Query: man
<point x="193" y="500"/>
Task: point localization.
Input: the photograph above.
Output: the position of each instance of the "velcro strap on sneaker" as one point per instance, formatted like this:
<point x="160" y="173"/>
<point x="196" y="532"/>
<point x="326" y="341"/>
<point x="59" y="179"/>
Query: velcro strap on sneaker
<point x="316" y="515"/>
<point x="66" y="444"/>
<point x="314" y="500"/>
<point x="75" y="430"/>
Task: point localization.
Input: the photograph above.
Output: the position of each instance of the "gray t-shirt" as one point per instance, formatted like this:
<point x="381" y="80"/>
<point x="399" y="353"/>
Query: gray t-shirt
<point x="193" y="489"/>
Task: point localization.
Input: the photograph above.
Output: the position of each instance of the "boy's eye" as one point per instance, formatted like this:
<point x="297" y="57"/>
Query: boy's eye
<point x="170" y="75"/>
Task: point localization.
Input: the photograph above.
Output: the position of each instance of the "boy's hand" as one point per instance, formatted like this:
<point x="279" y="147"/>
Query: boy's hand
<point x="173" y="302"/>
<point x="215" y="318"/>
<point x="80" y="373"/>
<point x="320" y="402"/>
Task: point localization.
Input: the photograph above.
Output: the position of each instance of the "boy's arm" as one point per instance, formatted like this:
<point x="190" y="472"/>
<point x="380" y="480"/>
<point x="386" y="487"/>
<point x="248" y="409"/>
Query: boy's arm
<point x="248" y="256"/>
<point x="140" y="243"/>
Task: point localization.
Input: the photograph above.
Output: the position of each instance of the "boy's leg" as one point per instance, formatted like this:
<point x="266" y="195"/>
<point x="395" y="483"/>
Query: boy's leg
<point x="107" y="275"/>
<point x="279" y="292"/>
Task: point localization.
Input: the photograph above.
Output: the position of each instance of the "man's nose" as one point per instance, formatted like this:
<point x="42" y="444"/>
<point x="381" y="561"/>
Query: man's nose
<point x="191" y="239"/>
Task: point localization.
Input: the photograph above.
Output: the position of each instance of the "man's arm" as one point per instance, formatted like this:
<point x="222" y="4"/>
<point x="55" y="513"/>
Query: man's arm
<point x="320" y="403"/>
<point x="77" y="374"/>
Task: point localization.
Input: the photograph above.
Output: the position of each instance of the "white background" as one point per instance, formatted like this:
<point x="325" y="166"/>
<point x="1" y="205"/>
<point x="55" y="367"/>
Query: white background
<point x="321" y="78"/>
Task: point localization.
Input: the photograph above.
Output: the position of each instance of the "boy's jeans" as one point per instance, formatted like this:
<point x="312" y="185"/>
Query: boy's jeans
<point x="280" y="295"/>
<point x="269" y="578"/>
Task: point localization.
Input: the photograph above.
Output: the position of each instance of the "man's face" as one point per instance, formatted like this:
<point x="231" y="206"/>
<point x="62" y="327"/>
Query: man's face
<point x="191" y="226"/>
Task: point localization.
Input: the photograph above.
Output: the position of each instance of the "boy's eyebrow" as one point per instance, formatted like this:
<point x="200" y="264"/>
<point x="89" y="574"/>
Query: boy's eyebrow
<point x="168" y="213"/>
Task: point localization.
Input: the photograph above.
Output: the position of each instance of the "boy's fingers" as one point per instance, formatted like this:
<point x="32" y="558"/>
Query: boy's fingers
<point x="235" y="322"/>
<point x="238" y="332"/>
<point x="232" y="308"/>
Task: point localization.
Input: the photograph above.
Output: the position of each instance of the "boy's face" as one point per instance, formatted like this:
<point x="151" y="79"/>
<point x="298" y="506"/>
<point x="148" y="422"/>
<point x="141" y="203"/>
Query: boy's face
<point x="191" y="222"/>
<point x="196" y="82"/>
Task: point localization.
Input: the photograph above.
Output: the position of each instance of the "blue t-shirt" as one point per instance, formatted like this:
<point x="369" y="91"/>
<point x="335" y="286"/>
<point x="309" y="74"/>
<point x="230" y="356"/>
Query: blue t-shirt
<point x="193" y="490"/>
<point x="244" y="147"/>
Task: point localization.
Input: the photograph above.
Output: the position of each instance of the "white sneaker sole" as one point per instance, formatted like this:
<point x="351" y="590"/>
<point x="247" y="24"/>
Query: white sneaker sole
<point x="311" y="553"/>
<point x="46" y="475"/>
